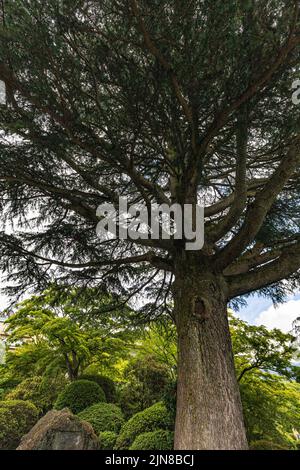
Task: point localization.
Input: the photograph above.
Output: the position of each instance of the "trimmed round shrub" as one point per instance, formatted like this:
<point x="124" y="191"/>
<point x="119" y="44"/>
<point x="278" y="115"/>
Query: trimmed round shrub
<point x="17" y="417"/>
<point x="79" y="395"/>
<point x="147" y="380"/>
<point x="41" y="391"/>
<point x="103" y="417"/>
<point x="155" y="440"/>
<point x="107" y="385"/>
<point x="151" y="419"/>
<point x="264" y="444"/>
<point x="107" y="440"/>
<point x="9" y="433"/>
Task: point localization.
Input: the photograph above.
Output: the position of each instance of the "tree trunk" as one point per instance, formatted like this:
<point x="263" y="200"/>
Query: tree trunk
<point x="72" y="371"/>
<point x="209" y="412"/>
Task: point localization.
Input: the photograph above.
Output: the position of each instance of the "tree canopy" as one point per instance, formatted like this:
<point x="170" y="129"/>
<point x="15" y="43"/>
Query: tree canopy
<point x="256" y="347"/>
<point x="99" y="105"/>
<point x="51" y="335"/>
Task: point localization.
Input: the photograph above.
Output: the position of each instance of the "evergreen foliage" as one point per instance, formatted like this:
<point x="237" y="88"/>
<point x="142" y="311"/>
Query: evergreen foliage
<point x="107" y="440"/>
<point x="79" y="395"/>
<point x="107" y="385"/>
<point x="148" y="420"/>
<point x="103" y="417"/>
<point x="155" y="440"/>
<point x="17" y="417"/>
<point x="43" y="392"/>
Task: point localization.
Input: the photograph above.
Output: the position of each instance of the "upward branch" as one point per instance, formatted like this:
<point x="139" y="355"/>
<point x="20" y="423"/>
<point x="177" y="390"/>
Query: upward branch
<point x="286" y="263"/>
<point x="260" y="207"/>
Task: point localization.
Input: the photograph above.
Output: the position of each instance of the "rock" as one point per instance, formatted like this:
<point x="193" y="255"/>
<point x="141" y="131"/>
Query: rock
<point x="60" y="430"/>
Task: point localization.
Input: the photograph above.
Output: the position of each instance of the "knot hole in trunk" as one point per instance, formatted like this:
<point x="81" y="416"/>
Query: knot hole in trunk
<point x="201" y="309"/>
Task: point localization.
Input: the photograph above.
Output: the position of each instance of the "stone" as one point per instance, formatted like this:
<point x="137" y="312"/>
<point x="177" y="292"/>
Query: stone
<point x="60" y="430"/>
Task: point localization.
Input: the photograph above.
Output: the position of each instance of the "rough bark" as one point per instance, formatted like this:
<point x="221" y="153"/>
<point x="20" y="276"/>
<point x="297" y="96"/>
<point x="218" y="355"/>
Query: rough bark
<point x="209" y="410"/>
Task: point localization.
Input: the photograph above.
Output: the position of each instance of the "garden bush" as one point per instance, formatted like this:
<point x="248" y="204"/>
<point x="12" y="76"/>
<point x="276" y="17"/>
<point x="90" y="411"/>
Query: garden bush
<point x="41" y="391"/>
<point x="17" y="417"/>
<point x="155" y="440"/>
<point x="9" y="433"/>
<point x="107" y="385"/>
<point x="131" y="398"/>
<point x="8" y="383"/>
<point x="107" y="440"/>
<point x="264" y="444"/>
<point x="170" y="398"/>
<point x="147" y="381"/>
<point x="79" y="395"/>
<point x="153" y="418"/>
<point x="103" y="417"/>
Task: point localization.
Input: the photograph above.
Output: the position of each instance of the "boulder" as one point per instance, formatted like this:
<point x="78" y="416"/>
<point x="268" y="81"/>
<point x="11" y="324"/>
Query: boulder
<point x="60" y="430"/>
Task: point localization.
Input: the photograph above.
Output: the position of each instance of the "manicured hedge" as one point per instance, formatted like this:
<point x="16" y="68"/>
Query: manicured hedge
<point x="9" y="433"/>
<point x="155" y="440"/>
<point x="146" y="383"/>
<point x="103" y="417"/>
<point x="107" y="440"/>
<point x="107" y="385"/>
<point x="41" y="391"/>
<point x="79" y="395"/>
<point x="151" y="419"/>
<point x="17" y="417"/>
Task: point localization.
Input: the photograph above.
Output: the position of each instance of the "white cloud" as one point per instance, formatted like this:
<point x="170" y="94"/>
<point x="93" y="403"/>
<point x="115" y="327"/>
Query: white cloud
<point x="281" y="317"/>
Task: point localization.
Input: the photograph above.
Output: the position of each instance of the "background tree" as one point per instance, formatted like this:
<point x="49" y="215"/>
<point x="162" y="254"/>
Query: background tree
<point x="158" y="102"/>
<point x="51" y="334"/>
<point x="256" y="347"/>
<point x="145" y="375"/>
<point x="160" y="341"/>
<point x="271" y="409"/>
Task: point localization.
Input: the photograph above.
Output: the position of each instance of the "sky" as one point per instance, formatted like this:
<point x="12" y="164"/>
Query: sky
<point x="260" y="311"/>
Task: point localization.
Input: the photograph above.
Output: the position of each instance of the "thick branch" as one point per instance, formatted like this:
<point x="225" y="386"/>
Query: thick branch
<point x="240" y="194"/>
<point x="287" y="264"/>
<point x="150" y="257"/>
<point x="226" y="202"/>
<point x="262" y="204"/>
